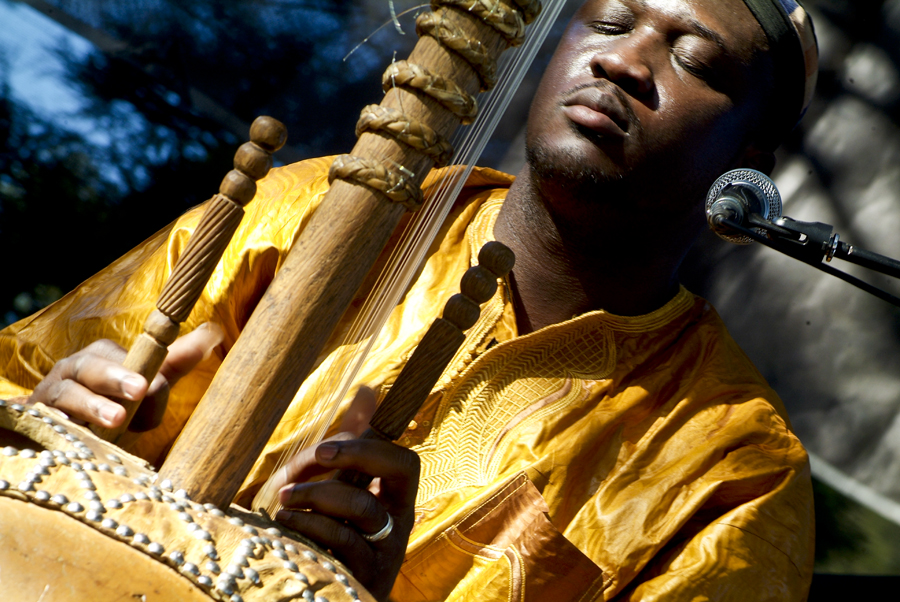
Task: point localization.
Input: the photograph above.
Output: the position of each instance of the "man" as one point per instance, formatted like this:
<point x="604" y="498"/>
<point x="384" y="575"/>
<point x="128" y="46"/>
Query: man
<point x="599" y="435"/>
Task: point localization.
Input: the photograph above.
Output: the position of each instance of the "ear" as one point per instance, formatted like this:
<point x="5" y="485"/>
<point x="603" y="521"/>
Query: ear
<point x="760" y="160"/>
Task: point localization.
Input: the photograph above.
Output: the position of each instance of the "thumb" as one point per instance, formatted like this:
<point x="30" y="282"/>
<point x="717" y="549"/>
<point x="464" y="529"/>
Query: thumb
<point x="189" y="350"/>
<point x="184" y="354"/>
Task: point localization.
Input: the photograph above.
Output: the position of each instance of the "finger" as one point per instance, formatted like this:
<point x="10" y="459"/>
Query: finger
<point x="79" y="402"/>
<point x="397" y="467"/>
<point x="358" y="415"/>
<point x="337" y="500"/>
<point x="189" y="350"/>
<point x="304" y="466"/>
<point x="345" y="542"/>
<point x="99" y="368"/>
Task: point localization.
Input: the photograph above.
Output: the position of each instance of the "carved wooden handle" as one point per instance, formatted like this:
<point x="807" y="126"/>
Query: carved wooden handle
<point x="435" y="351"/>
<point x="196" y="264"/>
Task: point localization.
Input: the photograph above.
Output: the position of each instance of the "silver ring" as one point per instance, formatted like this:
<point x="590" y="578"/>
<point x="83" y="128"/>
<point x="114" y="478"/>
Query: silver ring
<point x="382" y="533"/>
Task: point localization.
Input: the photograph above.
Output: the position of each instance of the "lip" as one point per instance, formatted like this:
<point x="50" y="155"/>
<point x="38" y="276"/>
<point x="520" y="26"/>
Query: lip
<point x="597" y="110"/>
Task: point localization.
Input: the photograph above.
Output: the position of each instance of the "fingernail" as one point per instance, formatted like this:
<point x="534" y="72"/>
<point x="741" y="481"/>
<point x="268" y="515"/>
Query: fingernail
<point x="327" y="451"/>
<point x="131" y="386"/>
<point x="108" y="413"/>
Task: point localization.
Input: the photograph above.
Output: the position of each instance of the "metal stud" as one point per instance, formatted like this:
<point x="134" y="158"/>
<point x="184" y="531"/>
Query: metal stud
<point x="166" y="484"/>
<point x="308" y="595"/>
<point x="26" y="486"/>
<point x="190" y="567"/>
<point x="88" y="484"/>
<point x="342" y="579"/>
<point x="92" y="496"/>
<point x="352" y="593"/>
<point x="42" y="496"/>
<point x="64" y="460"/>
<point x="140" y="495"/>
<point x="203" y="535"/>
<point x="57" y="453"/>
<point x="204" y="581"/>
<point x="155" y="548"/>
<point x="97" y="506"/>
<point x="93" y="516"/>
<point x="90" y="466"/>
<point x="33" y="477"/>
<point x="77" y="466"/>
<point x="177" y="557"/>
<point x="114" y="458"/>
<point x="291" y="566"/>
<point x="120" y="471"/>
<point x="71" y="454"/>
<point x="183" y="494"/>
<point x="225" y="584"/>
<point x="176" y="506"/>
<point x="321" y="599"/>
<point x="109" y="523"/>
<point x="217" y="513"/>
<point x="10" y="451"/>
<point x="277" y="545"/>
<point x="291" y="548"/>
<point x="241" y="560"/>
<point x="71" y="438"/>
<point x="258" y="540"/>
<point x="74" y="507"/>
<point x="17" y="407"/>
<point x="125" y="531"/>
<point x="104" y="467"/>
<point x="141" y="539"/>
<point x="280" y="554"/>
<point x="168" y="499"/>
<point x="28" y="453"/>
<point x="328" y="566"/>
<point x="156" y="496"/>
<point x="236" y="521"/>
<point x="80" y="445"/>
<point x="185" y="517"/>
<point x="211" y="552"/>
<point x="126" y="497"/>
<point x="310" y="555"/>
<point x="235" y="570"/>
<point x="48" y="420"/>
<point x="301" y="577"/>
<point x="59" y="499"/>
<point x="114" y="503"/>
<point x="252" y="575"/>
<point x="2" y="403"/>
<point x="60" y="429"/>
<point x="213" y="567"/>
<point x="47" y="462"/>
<point x="191" y="527"/>
<point x="34" y="413"/>
<point x="236" y="598"/>
<point x="250" y="530"/>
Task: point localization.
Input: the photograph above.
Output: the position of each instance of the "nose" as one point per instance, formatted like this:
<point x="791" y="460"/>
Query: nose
<point x="625" y="62"/>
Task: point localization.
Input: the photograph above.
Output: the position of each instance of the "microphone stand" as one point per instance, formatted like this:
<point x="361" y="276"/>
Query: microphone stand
<point x="811" y="242"/>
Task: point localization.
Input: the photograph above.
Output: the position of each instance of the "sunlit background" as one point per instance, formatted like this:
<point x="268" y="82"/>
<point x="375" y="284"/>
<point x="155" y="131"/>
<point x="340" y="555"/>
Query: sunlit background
<point x="116" y="116"/>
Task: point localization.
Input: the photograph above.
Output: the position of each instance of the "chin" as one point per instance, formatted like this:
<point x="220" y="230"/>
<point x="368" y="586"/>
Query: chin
<point x="571" y="166"/>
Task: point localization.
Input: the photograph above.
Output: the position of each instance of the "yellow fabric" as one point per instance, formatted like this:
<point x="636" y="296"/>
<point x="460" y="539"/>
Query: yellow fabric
<point x="602" y="458"/>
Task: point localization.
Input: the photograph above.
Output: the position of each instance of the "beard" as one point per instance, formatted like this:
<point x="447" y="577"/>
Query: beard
<point x="565" y="168"/>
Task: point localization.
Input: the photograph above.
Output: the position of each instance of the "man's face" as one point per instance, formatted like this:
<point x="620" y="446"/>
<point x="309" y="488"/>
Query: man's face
<point x="655" y="95"/>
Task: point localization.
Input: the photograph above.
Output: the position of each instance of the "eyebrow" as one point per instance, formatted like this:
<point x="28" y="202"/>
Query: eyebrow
<point x="699" y="28"/>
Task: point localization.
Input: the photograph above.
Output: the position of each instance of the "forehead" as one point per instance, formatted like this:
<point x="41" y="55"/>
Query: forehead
<point x="729" y="23"/>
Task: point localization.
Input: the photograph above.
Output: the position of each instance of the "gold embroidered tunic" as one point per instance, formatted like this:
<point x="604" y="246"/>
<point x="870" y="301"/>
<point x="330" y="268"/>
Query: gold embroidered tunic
<point x="604" y="457"/>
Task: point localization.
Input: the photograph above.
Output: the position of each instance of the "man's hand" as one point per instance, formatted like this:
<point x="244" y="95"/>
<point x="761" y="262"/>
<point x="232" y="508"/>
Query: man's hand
<point x="84" y="384"/>
<point x="338" y="515"/>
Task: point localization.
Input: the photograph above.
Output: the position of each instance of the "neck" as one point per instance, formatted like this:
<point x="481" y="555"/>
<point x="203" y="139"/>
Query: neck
<point x="574" y="256"/>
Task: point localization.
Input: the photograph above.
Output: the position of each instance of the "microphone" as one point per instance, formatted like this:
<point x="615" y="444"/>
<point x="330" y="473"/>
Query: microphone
<point x="735" y="196"/>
